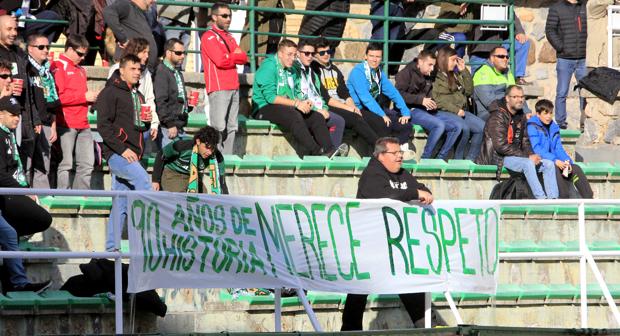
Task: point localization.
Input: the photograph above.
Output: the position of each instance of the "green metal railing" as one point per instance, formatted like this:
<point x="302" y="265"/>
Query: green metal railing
<point x="251" y="9"/>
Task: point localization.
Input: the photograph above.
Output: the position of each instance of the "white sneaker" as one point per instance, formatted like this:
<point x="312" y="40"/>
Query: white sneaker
<point x="408" y="155"/>
<point x="342" y="150"/>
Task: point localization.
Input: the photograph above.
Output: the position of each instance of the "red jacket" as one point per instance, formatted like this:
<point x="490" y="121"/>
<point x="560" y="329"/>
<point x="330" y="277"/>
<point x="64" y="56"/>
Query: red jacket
<point x="220" y="62"/>
<point x="71" y="83"/>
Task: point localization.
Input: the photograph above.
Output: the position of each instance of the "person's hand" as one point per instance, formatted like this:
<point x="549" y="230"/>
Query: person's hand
<point x="521" y="38"/>
<point x="324" y="113"/>
<point x="16" y="90"/>
<point x="460" y="64"/>
<point x="53" y="134"/>
<point x="461" y="113"/>
<point x="463" y="9"/>
<point x="153" y="134"/>
<point x="429" y="103"/>
<point x="37" y="129"/>
<point x="35" y="198"/>
<point x="122" y="45"/>
<point x="425" y="197"/>
<point x="6" y="91"/>
<point x="91" y="96"/>
<point x="528" y="116"/>
<point x="387" y="121"/>
<point x="172" y="132"/>
<point x="155" y="186"/>
<point x="403" y="120"/>
<point x="130" y="156"/>
<point x="560" y="164"/>
<point x="535" y="158"/>
<point x="569" y="166"/>
<point x="304" y="106"/>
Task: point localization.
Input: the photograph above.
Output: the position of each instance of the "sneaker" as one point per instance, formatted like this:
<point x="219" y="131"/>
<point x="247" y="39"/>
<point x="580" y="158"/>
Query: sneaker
<point x="37" y="287"/>
<point x="342" y="150"/>
<point x="522" y="81"/>
<point x="408" y="155"/>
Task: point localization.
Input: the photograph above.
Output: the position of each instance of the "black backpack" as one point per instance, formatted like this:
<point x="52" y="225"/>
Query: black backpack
<point x="515" y="187"/>
<point x="603" y="82"/>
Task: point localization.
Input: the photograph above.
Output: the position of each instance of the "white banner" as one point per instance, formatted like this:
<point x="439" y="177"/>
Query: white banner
<point x="317" y="243"/>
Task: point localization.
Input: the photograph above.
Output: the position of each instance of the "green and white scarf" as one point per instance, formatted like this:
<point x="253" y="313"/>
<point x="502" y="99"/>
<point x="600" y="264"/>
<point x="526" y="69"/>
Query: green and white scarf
<point x="286" y="82"/>
<point x="213" y="170"/>
<point x="307" y="88"/>
<point x="373" y="77"/>
<point x="137" y="107"/>
<point x="46" y="80"/>
<point x="19" y="175"/>
<point x="180" y="86"/>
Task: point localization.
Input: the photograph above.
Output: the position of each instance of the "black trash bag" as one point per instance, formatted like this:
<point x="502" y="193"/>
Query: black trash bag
<point x="603" y="82"/>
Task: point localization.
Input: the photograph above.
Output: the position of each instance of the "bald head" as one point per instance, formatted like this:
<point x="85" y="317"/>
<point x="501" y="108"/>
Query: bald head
<point x="8" y="30"/>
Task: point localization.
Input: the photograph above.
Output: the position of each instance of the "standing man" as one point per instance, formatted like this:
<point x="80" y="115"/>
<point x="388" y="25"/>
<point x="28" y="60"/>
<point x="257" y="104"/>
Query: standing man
<point x="220" y="57"/>
<point x="507" y="144"/>
<point x="72" y="123"/>
<point x="170" y="95"/>
<point x="47" y="103"/>
<point x="384" y="177"/>
<point x="567" y="31"/>
<point x="119" y="113"/>
<point x="127" y="19"/>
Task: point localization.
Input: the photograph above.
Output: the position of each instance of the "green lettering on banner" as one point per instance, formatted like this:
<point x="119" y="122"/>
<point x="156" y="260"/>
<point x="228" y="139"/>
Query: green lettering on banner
<point x="322" y="244"/>
<point x="255" y="260"/>
<point x="353" y="243"/>
<point x="425" y="212"/>
<point x="394" y="241"/>
<point x="442" y="213"/>
<point x="478" y="213"/>
<point x="209" y="225"/>
<point x="411" y="241"/>
<point x="486" y="239"/>
<point x="189" y="262"/>
<point x="245" y="211"/>
<point x="150" y="261"/>
<point x="462" y="240"/>
<point x="336" y="208"/>
<point x="275" y="235"/>
<point x="205" y="240"/>
<point x="179" y="217"/>
<point x="237" y="222"/>
<point x="287" y="239"/>
<point x="193" y="214"/>
<point x="306" y="240"/>
<point x="219" y="215"/>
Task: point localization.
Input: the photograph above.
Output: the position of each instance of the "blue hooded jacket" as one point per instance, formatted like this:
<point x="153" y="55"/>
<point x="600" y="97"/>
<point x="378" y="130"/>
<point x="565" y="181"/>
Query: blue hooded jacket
<point x="546" y="142"/>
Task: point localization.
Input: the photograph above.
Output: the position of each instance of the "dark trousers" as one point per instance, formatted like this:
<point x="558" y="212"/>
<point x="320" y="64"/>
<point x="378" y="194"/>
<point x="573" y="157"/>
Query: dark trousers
<point x="24" y="214"/>
<point x="396" y="129"/>
<point x="576" y="178"/>
<point x="310" y="130"/>
<point x="355" y="122"/>
<point x="353" y="313"/>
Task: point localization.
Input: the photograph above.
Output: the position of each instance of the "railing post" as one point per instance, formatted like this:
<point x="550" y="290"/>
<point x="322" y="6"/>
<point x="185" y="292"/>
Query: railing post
<point x="428" y="314"/>
<point x="118" y="266"/>
<point x="277" y="300"/>
<point x="386" y="35"/>
<point x="583" y="282"/>
<point x="511" y="35"/>
<point x="251" y="26"/>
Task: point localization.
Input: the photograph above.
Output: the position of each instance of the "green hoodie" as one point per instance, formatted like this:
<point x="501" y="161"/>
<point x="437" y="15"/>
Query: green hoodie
<point x="272" y="80"/>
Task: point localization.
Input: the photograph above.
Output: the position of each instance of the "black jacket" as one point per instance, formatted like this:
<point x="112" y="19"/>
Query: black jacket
<point x="30" y="117"/>
<point x="504" y="135"/>
<point x="377" y="182"/>
<point x="46" y="111"/>
<point x="169" y="105"/>
<point x="413" y="86"/>
<point x="567" y="29"/>
<point x="332" y="80"/>
<point x="116" y="118"/>
<point x="8" y="165"/>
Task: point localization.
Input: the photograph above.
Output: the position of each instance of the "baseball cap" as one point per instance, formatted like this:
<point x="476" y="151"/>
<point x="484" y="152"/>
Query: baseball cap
<point x="11" y="105"/>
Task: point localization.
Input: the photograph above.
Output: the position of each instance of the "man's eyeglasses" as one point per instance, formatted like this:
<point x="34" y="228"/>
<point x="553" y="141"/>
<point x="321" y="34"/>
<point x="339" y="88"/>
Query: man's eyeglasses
<point x="5" y="76"/>
<point x="396" y="153"/>
<point x="323" y="52"/>
<point x="306" y="53"/>
<point x="516" y="97"/>
<point x="41" y="46"/>
<point x="179" y="53"/>
<point x="224" y="16"/>
<point x="80" y="54"/>
<point x="501" y="56"/>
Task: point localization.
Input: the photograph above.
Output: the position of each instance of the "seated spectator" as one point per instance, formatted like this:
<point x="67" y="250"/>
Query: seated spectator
<point x="179" y="165"/>
<point x="506" y="144"/>
<point x="460" y="31"/>
<point x="451" y="92"/>
<point x="415" y="84"/>
<point x="273" y="99"/>
<point x="73" y="127"/>
<point x="544" y="134"/>
<point x="478" y="53"/>
<point x="19" y="215"/>
<point x="491" y="80"/>
<point x="140" y="47"/>
<point x="335" y="92"/>
<point x="36" y="10"/>
<point x="372" y="92"/>
<point x="170" y="96"/>
<point x="309" y="89"/>
<point x="47" y="103"/>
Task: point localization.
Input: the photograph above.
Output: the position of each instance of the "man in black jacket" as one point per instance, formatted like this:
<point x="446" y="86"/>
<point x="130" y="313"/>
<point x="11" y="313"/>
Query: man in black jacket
<point x="567" y="31"/>
<point x="384" y="177"/>
<point x="170" y="96"/>
<point x="415" y="83"/>
<point x="46" y="102"/>
<point x="121" y="123"/>
<point x="20" y="214"/>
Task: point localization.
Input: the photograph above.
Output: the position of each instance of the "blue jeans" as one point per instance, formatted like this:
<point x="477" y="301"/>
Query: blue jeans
<point x="472" y="131"/>
<point x="164" y="136"/>
<point x="125" y="176"/>
<point x="435" y="125"/>
<point x="521" y="51"/>
<point x="565" y="69"/>
<point x="335" y="125"/>
<point x="9" y="242"/>
<point x="527" y="167"/>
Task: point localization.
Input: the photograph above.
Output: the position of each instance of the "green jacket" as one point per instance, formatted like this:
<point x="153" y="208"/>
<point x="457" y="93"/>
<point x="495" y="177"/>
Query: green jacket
<point x="272" y="80"/>
<point x="453" y="100"/>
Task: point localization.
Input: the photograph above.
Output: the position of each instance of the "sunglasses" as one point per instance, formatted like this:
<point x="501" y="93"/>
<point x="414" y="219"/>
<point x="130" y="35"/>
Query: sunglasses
<point x="323" y="52"/>
<point x="307" y="53"/>
<point x="80" y="54"/>
<point x="41" y="46"/>
<point x="179" y="53"/>
<point x="224" y="16"/>
<point x="5" y="76"/>
<point x="502" y="56"/>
